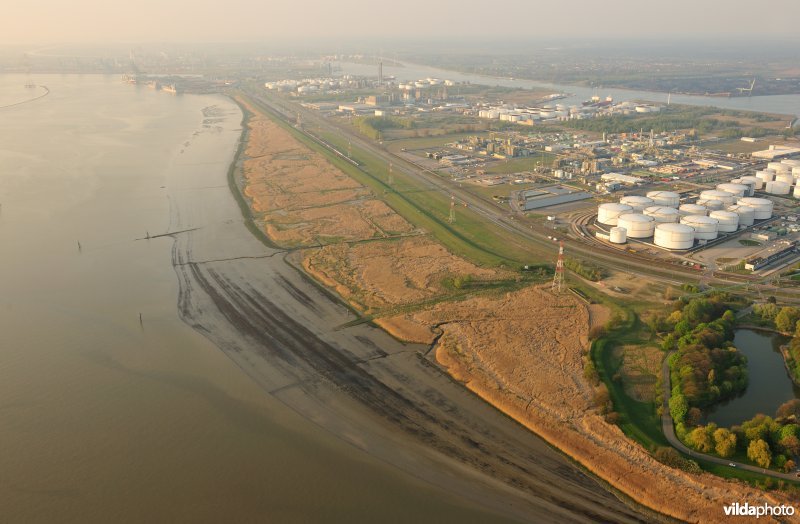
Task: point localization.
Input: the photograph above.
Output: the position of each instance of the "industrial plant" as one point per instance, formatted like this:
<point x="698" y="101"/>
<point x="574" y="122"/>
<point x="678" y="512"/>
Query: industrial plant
<point x="693" y="220"/>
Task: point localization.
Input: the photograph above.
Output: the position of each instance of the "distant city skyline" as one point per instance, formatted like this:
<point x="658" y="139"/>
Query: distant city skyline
<point x="95" y="21"/>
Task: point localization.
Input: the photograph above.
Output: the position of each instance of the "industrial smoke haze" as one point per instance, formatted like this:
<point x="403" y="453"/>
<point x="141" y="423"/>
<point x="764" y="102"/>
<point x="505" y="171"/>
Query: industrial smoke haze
<point x="57" y="21"/>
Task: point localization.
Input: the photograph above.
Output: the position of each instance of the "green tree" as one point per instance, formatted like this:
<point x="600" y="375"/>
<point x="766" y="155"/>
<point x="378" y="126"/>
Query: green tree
<point x="698" y="310"/>
<point x="791" y="444"/>
<point x="790" y="408"/>
<point x="786" y="319"/>
<point x="757" y="428"/>
<point x="758" y="451"/>
<point x="725" y="442"/>
<point x="700" y="439"/>
<point x="678" y="407"/>
<point x="766" y="311"/>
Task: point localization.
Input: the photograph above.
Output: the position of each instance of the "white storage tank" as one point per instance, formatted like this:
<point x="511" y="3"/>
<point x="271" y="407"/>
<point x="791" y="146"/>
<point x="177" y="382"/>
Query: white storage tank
<point x="638" y="203"/>
<point x="728" y="221"/>
<point x="766" y="176"/>
<point x="711" y="205"/>
<point x="785" y="177"/>
<point x="608" y="213"/>
<point x="662" y="214"/>
<point x="778" y="167"/>
<point x="674" y="236"/>
<point x="692" y="209"/>
<point x="753" y="182"/>
<point x="664" y="198"/>
<point x="796" y="172"/>
<point x="618" y="235"/>
<point x="637" y="226"/>
<point x="715" y="194"/>
<point x="746" y="214"/>
<point x="762" y="207"/>
<point x="778" y="188"/>
<point x="705" y="228"/>
<point x="737" y="190"/>
<point x="796" y="192"/>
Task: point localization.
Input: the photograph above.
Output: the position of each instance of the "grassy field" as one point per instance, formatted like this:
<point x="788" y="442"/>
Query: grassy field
<point x="638" y="420"/>
<point x="471" y="236"/>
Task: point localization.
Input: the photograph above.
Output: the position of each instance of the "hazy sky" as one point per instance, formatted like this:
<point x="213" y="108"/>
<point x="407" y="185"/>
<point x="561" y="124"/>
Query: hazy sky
<point x="51" y="21"/>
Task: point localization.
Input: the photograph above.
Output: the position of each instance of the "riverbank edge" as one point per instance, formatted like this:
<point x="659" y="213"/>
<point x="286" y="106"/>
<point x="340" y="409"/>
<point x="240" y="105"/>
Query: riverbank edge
<point x="235" y="169"/>
<point x="545" y="85"/>
<point x="787" y="357"/>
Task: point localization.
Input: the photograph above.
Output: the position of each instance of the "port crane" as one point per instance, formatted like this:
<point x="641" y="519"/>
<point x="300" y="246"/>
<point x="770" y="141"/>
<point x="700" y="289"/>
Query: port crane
<point x="748" y="90"/>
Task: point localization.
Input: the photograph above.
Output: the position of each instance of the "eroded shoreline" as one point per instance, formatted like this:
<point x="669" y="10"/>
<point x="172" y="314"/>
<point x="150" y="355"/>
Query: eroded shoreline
<point x="592" y="442"/>
<point x="361" y="385"/>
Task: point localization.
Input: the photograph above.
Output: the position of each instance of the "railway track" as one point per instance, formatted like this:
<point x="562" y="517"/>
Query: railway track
<point x="581" y="242"/>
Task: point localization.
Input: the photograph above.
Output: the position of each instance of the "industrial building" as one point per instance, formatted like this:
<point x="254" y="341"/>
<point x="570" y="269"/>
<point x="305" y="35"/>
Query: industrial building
<point x="767" y="257"/>
<point x="549" y="196"/>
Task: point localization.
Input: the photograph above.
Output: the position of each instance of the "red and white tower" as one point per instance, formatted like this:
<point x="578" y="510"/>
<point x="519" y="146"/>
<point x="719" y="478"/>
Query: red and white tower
<point x="558" y="278"/>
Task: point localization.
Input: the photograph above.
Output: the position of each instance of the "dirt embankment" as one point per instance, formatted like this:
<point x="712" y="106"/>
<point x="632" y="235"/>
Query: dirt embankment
<point x="521" y="351"/>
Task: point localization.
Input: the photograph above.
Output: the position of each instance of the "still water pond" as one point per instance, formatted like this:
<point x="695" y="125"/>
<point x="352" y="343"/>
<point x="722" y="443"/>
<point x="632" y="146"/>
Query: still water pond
<point x="769" y="386"/>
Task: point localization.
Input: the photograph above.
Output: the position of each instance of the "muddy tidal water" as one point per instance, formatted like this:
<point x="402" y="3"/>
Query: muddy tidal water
<point x="108" y="418"/>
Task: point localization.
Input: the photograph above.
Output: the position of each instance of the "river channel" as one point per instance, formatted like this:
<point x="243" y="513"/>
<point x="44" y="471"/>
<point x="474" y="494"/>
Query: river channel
<point x="781" y="104"/>
<point x="158" y="363"/>
<point x="104" y="418"/>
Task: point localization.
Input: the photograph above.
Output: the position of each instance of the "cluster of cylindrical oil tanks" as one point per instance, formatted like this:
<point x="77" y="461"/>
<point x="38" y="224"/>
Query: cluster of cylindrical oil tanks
<point x="779" y="178"/>
<point x="676" y="226"/>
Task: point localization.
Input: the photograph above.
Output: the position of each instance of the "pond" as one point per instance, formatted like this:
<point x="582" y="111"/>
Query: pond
<point x="769" y="385"/>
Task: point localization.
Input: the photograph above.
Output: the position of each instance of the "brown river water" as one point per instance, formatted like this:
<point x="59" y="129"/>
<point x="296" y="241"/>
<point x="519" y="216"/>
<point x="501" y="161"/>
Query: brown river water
<point x="108" y="418"/>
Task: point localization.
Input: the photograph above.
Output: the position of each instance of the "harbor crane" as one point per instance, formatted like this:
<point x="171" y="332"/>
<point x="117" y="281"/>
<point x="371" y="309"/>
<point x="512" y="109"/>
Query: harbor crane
<point x="748" y="90"/>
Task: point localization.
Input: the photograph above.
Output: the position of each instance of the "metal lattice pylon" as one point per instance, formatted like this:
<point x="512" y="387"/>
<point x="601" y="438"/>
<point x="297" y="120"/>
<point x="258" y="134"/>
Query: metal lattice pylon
<point x="558" y="278"/>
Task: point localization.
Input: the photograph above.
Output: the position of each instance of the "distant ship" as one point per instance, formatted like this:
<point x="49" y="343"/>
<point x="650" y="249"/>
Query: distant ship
<point x="129" y="79"/>
<point x="170" y="89"/>
<point x="596" y="102"/>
